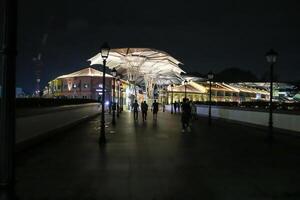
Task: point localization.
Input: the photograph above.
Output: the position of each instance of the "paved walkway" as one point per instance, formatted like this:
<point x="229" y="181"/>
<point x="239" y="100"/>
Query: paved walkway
<point x="155" y="161"/>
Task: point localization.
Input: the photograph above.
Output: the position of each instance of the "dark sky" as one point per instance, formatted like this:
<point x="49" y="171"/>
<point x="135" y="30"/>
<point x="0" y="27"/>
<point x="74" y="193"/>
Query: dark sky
<point x="204" y="35"/>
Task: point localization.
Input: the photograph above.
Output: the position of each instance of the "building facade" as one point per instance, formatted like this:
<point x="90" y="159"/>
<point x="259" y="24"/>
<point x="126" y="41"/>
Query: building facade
<point x="86" y="84"/>
<point x="221" y="92"/>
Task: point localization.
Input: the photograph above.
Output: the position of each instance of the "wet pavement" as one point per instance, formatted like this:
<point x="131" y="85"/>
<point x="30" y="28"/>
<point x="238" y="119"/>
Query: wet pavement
<point x="156" y="161"/>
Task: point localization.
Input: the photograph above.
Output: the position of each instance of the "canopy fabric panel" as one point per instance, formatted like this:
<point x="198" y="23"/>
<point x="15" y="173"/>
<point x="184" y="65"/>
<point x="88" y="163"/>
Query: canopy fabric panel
<point x="140" y="62"/>
<point x="84" y="72"/>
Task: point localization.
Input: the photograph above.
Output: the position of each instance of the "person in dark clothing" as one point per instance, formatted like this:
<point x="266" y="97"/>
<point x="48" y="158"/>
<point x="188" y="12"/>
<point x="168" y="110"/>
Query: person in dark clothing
<point x="155" y="109"/>
<point x="144" y="107"/>
<point x="186" y="114"/>
<point x="175" y="106"/>
<point x="135" y="110"/>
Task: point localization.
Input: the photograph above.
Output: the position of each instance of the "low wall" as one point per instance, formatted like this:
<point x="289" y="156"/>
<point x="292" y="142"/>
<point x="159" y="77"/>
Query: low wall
<point x="290" y="122"/>
<point x="286" y="121"/>
<point x="38" y="122"/>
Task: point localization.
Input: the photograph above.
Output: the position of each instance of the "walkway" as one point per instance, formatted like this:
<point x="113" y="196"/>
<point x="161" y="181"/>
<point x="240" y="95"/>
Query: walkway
<point x="155" y="161"/>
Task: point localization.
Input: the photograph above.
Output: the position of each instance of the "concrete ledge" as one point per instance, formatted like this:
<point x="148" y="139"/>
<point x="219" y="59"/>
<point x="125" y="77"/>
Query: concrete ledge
<point x="257" y="126"/>
<point x="39" y="125"/>
<point x="31" y="142"/>
<point x="288" y="123"/>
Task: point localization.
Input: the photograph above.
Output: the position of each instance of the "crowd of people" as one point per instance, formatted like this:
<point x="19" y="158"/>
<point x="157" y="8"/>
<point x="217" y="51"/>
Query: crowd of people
<point x="144" y="109"/>
<point x="186" y="108"/>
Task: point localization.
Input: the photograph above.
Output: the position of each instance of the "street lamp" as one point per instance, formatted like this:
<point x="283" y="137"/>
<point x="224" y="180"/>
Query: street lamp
<point x="210" y="76"/>
<point x="172" y="98"/>
<point x="114" y="73"/>
<point x="185" y="83"/>
<point x="118" y="105"/>
<point x="104" y="54"/>
<point x="271" y="57"/>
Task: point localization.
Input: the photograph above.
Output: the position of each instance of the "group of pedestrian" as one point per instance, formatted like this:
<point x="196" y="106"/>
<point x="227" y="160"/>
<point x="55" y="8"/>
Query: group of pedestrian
<point x="187" y="108"/>
<point x="144" y="109"/>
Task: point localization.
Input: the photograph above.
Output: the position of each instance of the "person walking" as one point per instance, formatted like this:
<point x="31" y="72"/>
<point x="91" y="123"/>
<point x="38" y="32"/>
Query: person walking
<point x="155" y="110"/>
<point x="144" y="107"/>
<point x="193" y="111"/>
<point x="179" y="104"/>
<point x="175" y="106"/>
<point x="185" y="114"/>
<point x="135" y="110"/>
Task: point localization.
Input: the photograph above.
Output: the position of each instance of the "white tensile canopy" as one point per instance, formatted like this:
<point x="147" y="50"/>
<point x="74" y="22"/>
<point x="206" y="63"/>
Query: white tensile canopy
<point x="84" y="72"/>
<point x="141" y="65"/>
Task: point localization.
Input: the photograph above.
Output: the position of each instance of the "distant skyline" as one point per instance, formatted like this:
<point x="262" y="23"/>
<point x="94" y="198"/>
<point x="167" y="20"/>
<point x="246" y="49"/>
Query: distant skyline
<point x="211" y="35"/>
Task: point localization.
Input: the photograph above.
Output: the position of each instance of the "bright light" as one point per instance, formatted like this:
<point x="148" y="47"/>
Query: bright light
<point x="107" y="103"/>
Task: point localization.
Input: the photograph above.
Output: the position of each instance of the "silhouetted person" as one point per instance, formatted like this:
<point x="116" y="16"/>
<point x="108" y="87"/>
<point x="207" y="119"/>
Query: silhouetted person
<point x="110" y="106"/>
<point x="135" y="106"/>
<point x="144" y="107"/>
<point x="185" y="114"/>
<point x="175" y="106"/>
<point x="193" y="110"/>
<point x="155" y="109"/>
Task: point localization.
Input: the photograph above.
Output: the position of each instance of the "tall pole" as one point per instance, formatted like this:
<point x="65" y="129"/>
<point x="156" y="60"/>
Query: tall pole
<point x="121" y="102"/>
<point x="114" y="102"/>
<point x="209" y="107"/>
<point x="172" y="99"/>
<point x="135" y="91"/>
<point x="7" y="103"/>
<point x="271" y="104"/>
<point x="185" y="90"/>
<point x="102" y="138"/>
<point x="118" y="105"/>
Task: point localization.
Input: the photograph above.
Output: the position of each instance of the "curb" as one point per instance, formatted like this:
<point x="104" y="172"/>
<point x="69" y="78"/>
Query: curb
<point x="31" y="142"/>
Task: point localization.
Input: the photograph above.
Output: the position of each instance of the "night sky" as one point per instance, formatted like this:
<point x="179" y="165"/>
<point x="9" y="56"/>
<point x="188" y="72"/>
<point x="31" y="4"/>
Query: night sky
<point x="204" y="35"/>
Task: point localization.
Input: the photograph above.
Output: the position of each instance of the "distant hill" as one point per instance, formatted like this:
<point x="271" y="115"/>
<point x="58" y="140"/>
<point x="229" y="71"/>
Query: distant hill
<point x="235" y="75"/>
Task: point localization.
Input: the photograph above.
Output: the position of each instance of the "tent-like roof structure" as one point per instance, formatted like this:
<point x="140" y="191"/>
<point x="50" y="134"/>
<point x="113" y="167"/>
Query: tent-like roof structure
<point x="84" y="72"/>
<point x="143" y="63"/>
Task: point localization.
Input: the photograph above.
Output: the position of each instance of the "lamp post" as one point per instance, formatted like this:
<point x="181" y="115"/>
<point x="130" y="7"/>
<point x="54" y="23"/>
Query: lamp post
<point x="104" y="53"/>
<point x="271" y="57"/>
<point x="118" y="105"/>
<point x="121" y="99"/>
<point x="210" y="76"/>
<point x="172" y="98"/>
<point x="185" y="83"/>
<point x="114" y="73"/>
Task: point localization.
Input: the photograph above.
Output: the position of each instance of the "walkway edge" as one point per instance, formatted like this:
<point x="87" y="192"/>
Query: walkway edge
<point x="257" y="126"/>
<point x="23" y="145"/>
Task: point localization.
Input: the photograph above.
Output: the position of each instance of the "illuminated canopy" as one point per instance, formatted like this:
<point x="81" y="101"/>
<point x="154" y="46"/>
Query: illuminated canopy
<point x="143" y="64"/>
<point x="84" y="72"/>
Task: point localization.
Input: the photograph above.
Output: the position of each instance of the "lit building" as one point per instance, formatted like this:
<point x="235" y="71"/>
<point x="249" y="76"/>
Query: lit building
<point x="84" y="84"/>
<point x="87" y="84"/>
<point x="199" y="91"/>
